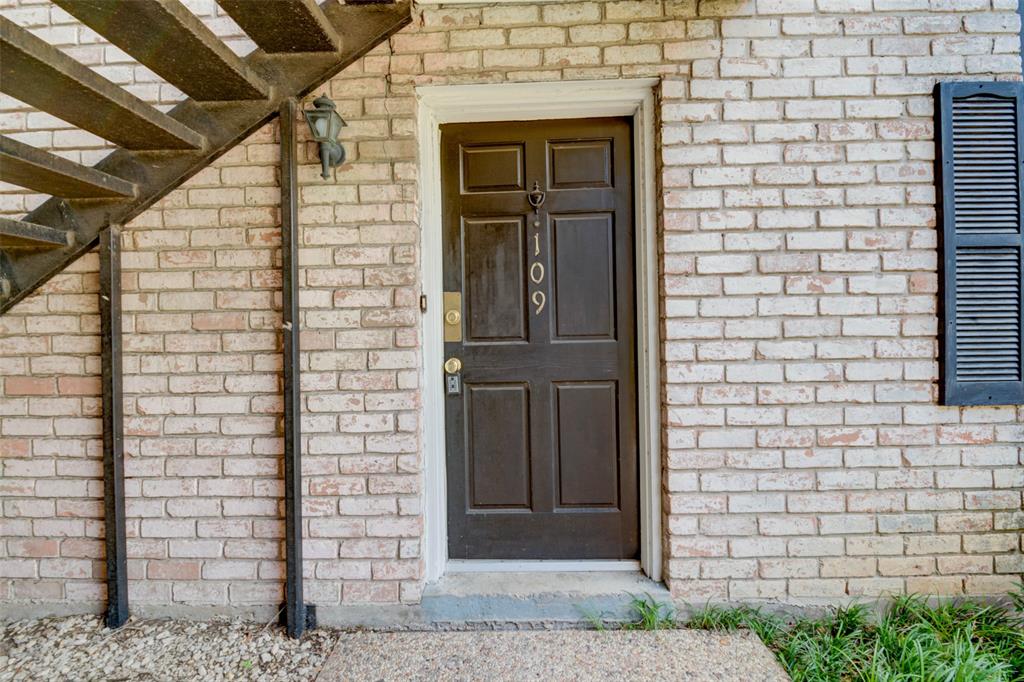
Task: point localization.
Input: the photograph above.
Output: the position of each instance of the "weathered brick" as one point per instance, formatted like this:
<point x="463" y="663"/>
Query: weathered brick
<point x="800" y="342"/>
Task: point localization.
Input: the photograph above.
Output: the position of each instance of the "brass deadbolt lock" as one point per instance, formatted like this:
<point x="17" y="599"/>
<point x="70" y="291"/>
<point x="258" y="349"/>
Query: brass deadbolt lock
<point x="452" y="365"/>
<point x="452" y="317"/>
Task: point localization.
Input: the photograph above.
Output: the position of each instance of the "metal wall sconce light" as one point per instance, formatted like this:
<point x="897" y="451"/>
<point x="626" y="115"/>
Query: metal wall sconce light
<point x="325" y="124"/>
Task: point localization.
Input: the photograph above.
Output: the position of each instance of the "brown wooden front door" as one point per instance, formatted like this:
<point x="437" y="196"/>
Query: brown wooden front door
<point x="541" y="419"/>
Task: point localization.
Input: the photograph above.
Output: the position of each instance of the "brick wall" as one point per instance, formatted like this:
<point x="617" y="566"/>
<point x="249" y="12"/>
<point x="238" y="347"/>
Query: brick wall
<point x="806" y="456"/>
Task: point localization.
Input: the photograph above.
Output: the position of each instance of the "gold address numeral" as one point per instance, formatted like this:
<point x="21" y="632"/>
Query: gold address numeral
<point x="539" y="299"/>
<point x="537" y="273"/>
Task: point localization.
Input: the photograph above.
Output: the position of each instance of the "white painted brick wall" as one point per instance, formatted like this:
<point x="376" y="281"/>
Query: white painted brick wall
<point x="806" y="456"/>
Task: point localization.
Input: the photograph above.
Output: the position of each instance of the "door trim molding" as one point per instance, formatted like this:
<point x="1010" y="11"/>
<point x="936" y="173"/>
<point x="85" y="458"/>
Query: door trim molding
<point x="438" y="104"/>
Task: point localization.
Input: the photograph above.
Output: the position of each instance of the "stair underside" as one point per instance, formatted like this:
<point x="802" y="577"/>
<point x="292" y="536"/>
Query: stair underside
<point x="42" y="76"/>
<point x="308" y="30"/>
<point x="18" y="234"/>
<point x="26" y="166"/>
<point x="174" y="44"/>
<point x="216" y="126"/>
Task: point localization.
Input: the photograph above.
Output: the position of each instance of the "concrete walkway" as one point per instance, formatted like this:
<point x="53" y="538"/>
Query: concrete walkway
<point x="558" y="655"/>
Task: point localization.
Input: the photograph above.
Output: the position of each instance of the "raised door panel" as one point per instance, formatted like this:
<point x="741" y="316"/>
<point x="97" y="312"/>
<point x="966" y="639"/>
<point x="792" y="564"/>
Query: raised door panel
<point x="498" y="446"/>
<point x="493" y="262"/>
<point x="588" y="444"/>
<point x="580" y="163"/>
<point x="584" y="285"/>
<point x="492" y="168"/>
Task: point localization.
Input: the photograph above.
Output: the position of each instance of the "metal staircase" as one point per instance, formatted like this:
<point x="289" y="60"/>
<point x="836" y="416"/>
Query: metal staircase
<point x="300" y="45"/>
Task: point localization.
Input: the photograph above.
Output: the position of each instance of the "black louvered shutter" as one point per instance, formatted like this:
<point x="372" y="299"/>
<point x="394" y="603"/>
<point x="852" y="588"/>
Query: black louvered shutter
<point x="980" y="153"/>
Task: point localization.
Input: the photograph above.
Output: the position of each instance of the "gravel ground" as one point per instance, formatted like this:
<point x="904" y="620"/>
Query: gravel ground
<point x="80" y="648"/>
<point x="677" y="655"/>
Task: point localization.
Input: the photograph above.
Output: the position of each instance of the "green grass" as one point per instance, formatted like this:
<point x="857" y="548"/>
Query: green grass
<point x="651" y="614"/>
<point x="913" y="641"/>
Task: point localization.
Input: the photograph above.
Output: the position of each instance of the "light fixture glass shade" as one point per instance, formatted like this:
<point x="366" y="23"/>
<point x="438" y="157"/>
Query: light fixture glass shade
<point x="336" y="122"/>
<point x="317" y="124"/>
<point x="325" y="123"/>
<point x="321" y="128"/>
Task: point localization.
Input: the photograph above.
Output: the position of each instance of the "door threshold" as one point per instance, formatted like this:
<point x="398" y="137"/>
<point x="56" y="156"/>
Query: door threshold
<point x="538" y="599"/>
<point x="540" y="566"/>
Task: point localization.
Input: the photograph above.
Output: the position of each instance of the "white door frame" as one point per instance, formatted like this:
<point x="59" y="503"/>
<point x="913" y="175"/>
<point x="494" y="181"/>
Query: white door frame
<point x="439" y="104"/>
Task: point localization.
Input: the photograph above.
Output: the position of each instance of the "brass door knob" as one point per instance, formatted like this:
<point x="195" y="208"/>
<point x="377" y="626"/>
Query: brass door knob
<point x="452" y="365"/>
<point x="452" y="317"/>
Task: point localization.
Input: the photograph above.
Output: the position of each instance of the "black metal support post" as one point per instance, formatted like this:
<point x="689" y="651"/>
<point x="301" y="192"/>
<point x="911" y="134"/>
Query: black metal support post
<point x="297" y="614"/>
<point x="113" y="427"/>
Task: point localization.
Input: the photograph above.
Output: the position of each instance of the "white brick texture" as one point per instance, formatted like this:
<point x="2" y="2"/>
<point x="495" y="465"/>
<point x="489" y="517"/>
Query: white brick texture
<point x="806" y="456"/>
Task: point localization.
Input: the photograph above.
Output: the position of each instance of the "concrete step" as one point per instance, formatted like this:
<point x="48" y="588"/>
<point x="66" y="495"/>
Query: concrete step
<point x="538" y="598"/>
